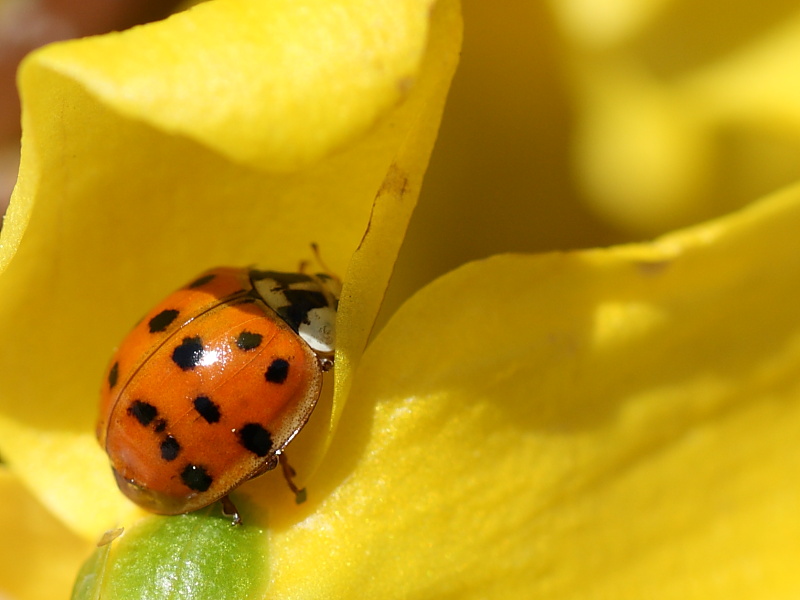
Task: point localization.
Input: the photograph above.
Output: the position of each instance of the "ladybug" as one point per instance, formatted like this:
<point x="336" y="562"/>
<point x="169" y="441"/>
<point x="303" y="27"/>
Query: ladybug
<point x="209" y="388"/>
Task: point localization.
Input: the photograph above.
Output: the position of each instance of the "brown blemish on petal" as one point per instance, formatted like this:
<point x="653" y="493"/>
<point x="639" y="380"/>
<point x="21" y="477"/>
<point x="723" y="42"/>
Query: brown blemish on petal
<point x="652" y="268"/>
<point x="395" y="184"/>
<point x="405" y="85"/>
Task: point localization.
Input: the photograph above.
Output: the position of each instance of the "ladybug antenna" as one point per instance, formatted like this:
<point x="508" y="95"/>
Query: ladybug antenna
<point x="302" y="267"/>
<point x="321" y="263"/>
<point x="318" y="257"/>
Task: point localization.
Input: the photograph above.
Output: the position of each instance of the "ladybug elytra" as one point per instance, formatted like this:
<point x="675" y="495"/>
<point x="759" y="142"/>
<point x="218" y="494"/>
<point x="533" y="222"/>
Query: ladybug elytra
<point x="209" y="388"/>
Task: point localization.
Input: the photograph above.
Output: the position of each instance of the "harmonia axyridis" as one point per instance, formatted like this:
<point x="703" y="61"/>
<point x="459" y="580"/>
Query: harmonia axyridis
<point x="209" y="388"/>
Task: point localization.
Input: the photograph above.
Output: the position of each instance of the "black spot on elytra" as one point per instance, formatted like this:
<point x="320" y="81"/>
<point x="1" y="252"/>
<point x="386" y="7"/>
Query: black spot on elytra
<point x="144" y="412"/>
<point x="160" y="425"/>
<point x="189" y="353"/>
<point x="170" y="448"/>
<point x="207" y="409"/>
<point x="301" y="302"/>
<point x="278" y="371"/>
<point x="162" y="320"/>
<point x="113" y="375"/>
<point x="247" y="340"/>
<point x="196" y="478"/>
<point x="201" y="281"/>
<point x="256" y="439"/>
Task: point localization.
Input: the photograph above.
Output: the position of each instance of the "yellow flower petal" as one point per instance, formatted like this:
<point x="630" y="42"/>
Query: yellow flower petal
<point x="373" y="261"/>
<point x="681" y="115"/>
<point x="311" y="75"/>
<point x="39" y="556"/>
<point x="613" y="423"/>
<point x="119" y="205"/>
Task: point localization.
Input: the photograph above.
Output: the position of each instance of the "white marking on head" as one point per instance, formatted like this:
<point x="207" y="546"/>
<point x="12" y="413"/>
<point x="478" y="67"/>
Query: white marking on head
<point x="320" y="331"/>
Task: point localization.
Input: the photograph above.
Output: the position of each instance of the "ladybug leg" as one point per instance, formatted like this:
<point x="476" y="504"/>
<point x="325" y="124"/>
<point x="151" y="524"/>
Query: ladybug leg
<point x="229" y="510"/>
<point x="288" y="474"/>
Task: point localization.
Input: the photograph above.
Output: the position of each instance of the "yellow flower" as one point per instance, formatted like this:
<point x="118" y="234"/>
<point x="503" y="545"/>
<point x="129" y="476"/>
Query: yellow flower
<point x="613" y="423"/>
<point x="683" y="113"/>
